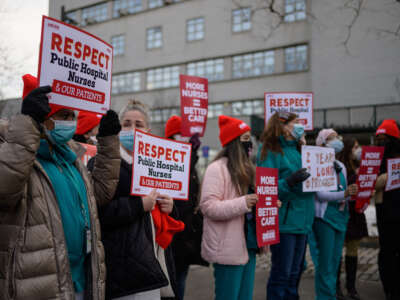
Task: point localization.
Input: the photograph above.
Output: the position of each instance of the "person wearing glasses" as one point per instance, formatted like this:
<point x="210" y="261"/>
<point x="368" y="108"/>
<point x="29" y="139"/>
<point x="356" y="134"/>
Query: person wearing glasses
<point x="330" y="223"/>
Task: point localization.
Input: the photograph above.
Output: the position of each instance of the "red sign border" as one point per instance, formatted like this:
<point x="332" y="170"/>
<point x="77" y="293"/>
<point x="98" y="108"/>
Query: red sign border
<point x="312" y="108"/>
<point x="133" y="154"/>
<point x="85" y="32"/>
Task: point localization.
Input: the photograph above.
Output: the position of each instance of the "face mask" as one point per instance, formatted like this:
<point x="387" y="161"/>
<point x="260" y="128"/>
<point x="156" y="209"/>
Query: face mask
<point x="93" y="139"/>
<point x="297" y="131"/>
<point x="63" y="131"/>
<point x="357" y="154"/>
<point x="126" y="138"/>
<point x="336" y="144"/>
<point x="247" y="147"/>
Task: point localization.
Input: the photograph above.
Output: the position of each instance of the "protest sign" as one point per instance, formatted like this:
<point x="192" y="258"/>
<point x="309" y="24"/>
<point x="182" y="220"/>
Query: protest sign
<point x="161" y="164"/>
<point x="299" y="103"/>
<point x="91" y="151"/>
<point x="194" y="104"/>
<point x="393" y="174"/>
<point x="77" y="65"/>
<point x="319" y="163"/>
<point x="267" y="217"/>
<point x="371" y="158"/>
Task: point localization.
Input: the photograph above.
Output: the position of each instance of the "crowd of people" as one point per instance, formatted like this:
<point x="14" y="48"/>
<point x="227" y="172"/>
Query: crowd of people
<point x="70" y="231"/>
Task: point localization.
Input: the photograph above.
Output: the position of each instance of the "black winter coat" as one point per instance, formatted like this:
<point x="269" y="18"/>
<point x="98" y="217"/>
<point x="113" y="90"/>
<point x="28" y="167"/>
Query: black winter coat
<point x="132" y="266"/>
<point x="186" y="245"/>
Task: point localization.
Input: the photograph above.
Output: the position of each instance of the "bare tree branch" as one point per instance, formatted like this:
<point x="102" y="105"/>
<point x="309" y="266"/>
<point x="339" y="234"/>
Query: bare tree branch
<point x="355" y="6"/>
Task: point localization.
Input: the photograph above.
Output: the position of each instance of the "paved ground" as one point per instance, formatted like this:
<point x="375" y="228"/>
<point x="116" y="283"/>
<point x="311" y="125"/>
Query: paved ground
<point x="200" y="280"/>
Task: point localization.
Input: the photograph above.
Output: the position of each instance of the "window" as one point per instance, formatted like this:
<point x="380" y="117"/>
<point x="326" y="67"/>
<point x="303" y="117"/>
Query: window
<point x="248" y="107"/>
<point x="253" y="64"/>
<point x="71" y="18"/>
<point x="118" y="43"/>
<point x="94" y="14"/>
<point x="195" y="29"/>
<point x="295" y="10"/>
<point x="241" y="19"/>
<point x="212" y="69"/>
<point x="296" y="58"/>
<point x="125" y="7"/>
<point x="155" y="3"/>
<point x="163" y="114"/>
<point x="162" y="77"/>
<point x="215" y="110"/>
<point x="154" y="38"/>
<point x="126" y="83"/>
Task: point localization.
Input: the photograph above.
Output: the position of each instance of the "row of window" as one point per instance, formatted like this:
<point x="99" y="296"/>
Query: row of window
<point x="237" y="108"/>
<point x="243" y="66"/>
<point x="241" y="21"/>
<point x="99" y="12"/>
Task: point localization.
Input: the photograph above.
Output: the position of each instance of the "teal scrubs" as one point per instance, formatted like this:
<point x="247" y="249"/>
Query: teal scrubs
<point x="236" y="282"/>
<point x="326" y="244"/>
<point x="70" y="191"/>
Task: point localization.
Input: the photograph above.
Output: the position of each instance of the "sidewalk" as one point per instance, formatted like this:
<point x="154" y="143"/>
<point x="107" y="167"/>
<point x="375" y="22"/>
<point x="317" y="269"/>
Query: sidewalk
<point x="200" y="282"/>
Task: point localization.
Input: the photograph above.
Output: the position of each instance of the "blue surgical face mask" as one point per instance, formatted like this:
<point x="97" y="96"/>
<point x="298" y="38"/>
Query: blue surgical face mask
<point x="62" y="132"/>
<point x="126" y="137"/>
<point x="297" y="131"/>
<point x="336" y="144"/>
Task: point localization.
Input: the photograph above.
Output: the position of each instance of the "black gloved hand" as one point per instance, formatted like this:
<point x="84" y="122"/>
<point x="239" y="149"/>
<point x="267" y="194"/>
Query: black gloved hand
<point x="36" y="104"/>
<point x="109" y="124"/>
<point x="297" y="177"/>
<point x="337" y="167"/>
<point x="195" y="141"/>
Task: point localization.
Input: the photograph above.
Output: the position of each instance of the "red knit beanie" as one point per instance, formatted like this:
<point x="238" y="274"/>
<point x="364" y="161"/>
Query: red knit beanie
<point x="87" y="121"/>
<point x="31" y="83"/>
<point x="389" y="127"/>
<point x="173" y="126"/>
<point x="230" y="128"/>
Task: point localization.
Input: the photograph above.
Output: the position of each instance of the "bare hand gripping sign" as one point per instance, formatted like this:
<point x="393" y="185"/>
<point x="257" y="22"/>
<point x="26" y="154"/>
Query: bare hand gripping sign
<point x="160" y="164"/>
<point x="77" y="65"/>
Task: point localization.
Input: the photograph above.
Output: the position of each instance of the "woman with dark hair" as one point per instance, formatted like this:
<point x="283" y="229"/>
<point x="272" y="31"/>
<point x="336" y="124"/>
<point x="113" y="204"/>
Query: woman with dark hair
<point x="281" y="149"/>
<point x="357" y="228"/>
<point x="227" y="195"/>
<point x="387" y="205"/>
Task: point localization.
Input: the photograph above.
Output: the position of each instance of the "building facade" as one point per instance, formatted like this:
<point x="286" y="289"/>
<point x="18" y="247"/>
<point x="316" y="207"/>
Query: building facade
<point x="246" y="48"/>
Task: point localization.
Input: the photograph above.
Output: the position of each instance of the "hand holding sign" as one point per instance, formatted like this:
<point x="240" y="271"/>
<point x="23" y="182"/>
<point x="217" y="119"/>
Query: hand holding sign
<point x="297" y="177"/>
<point x="251" y="200"/>
<point x="109" y="124"/>
<point x="150" y="200"/>
<point x="351" y="190"/>
<point x="166" y="203"/>
<point x="36" y="104"/>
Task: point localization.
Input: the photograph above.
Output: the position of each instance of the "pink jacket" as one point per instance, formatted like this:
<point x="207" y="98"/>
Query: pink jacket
<point x="224" y="239"/>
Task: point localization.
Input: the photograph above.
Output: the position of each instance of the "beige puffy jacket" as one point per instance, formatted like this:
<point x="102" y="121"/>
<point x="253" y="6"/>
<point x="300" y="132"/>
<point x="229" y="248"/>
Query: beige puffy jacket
<point x="33" y="255"/>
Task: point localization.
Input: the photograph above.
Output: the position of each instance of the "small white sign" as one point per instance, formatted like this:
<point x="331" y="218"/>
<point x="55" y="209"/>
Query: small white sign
<point x="161" y="164"/>
<point x="393" y="174"/>
<point x="77" y="65"/>
<point x="319" y="163"/>
<point x="299" y="103"/>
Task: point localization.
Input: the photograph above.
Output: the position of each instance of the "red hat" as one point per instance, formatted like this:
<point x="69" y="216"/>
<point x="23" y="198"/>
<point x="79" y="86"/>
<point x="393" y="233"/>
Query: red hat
<point x="389" y="127"/>
<point x="87" y="121"/>
<point x="31" y="83"/>
<point x="173" y="126"/>
<point x="230" y="128"/>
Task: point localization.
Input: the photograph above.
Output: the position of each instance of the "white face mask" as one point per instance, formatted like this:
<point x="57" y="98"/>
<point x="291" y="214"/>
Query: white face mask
<point x="357" y="154"/>
<point x="93" y="139"/>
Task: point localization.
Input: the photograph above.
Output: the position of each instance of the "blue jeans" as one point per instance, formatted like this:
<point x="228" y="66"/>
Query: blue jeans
<point x="181" y="282"/>
<point x="287" y="265"/>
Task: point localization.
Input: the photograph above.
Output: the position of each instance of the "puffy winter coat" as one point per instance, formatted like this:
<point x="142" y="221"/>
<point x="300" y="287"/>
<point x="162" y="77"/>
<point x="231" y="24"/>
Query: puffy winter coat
<point x="33" y="255"/>
<point x="224" y="240"/>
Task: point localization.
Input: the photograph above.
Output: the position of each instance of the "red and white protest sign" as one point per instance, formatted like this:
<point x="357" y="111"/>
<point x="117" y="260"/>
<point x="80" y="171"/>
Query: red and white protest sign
<point x="299" y="103"/>
<point x="371" y="159"/>
<point x="393" y="174"/>
<point x="319" y="163"/>
<point x="194" y="104"/>
<point x="91" y="151"/>
<point x="77" y="65"/>
<point x="267" y="217"/>
<point x="161" y="164"/>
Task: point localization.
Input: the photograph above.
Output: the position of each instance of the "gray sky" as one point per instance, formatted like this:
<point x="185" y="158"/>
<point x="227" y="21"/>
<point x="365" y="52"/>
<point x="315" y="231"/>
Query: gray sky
<point x="20" y="28"/>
